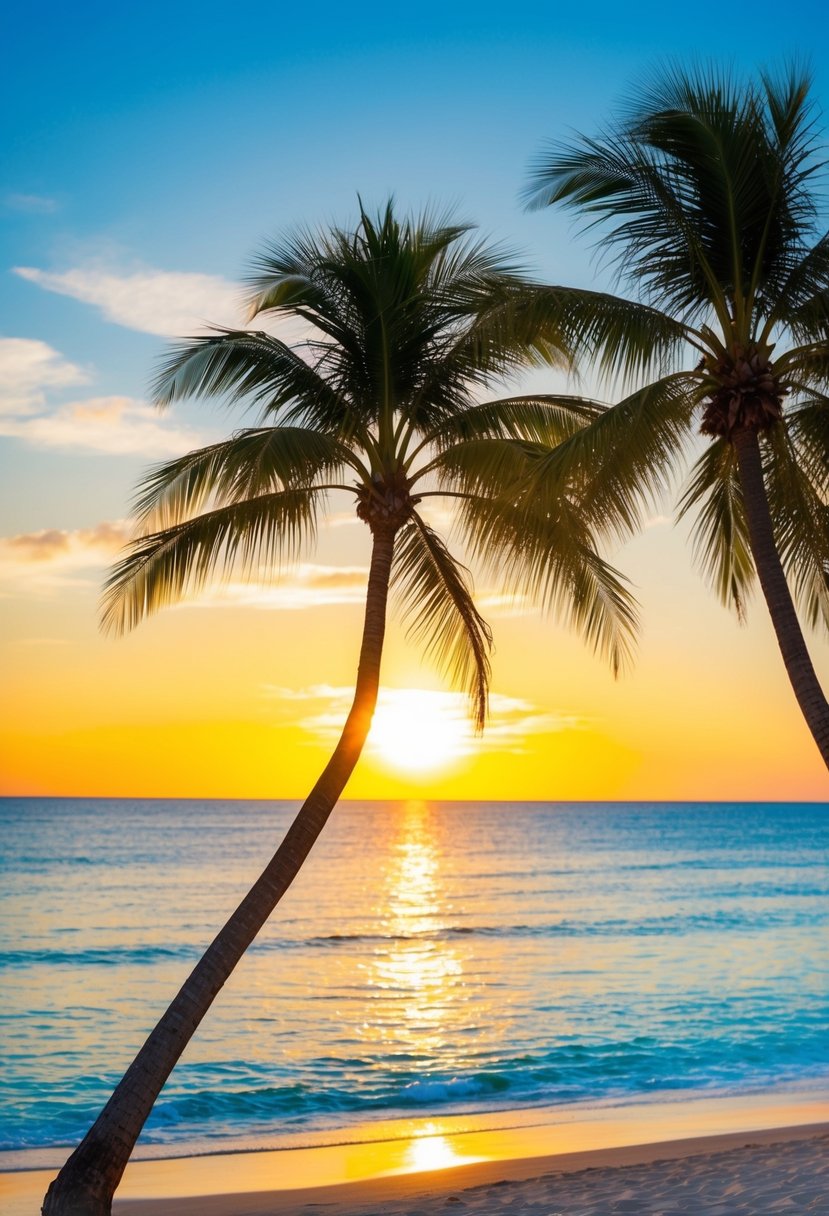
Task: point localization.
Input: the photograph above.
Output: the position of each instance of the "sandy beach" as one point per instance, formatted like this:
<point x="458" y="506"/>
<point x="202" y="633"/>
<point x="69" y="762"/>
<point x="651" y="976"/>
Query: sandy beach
<point x="783" y="1170"/>
<point x="723" y="1157"/>
<point x="777" y="1170"/>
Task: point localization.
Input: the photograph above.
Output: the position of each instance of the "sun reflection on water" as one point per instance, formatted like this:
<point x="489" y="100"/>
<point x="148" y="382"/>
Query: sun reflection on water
<point x="418" y="974"/>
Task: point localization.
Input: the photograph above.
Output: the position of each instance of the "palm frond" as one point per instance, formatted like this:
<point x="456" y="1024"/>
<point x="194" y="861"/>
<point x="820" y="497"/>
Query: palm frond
<point x="807" y="427"/>
<point x="489" y="467"/>
<point x="622" y="463"/>
<point x="537" y="419"/>
<point x="501" y="328"/>
<point x="801" y="300"/>
<point x="623" y="338"/>
<point x="254" y="537"/>
<point x="621" y="182"/>
<point x="248" y="465"/>
<point x="238" y="365"/>
<point x="702" y="191"/>
<point x="800" y="511"/>
<point x="720" y="531"/>
<point x="440" y="611"/>
<point x="808" y="317"/>
<point x="552" y="559"/>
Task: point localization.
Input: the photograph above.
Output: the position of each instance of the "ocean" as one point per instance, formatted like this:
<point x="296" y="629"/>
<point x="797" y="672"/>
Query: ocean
<point x="431" y="958"/>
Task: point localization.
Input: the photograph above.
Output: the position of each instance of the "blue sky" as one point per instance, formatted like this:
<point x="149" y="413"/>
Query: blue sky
<point x="148" y="144"/>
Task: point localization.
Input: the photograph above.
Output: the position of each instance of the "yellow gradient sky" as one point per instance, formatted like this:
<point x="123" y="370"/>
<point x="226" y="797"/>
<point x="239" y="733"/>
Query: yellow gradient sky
<point x="129" y="216"/>
<point x="222" y="699"/>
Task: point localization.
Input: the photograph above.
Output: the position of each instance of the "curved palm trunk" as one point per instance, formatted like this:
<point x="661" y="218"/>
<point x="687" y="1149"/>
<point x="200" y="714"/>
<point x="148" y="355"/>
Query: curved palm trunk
<point x="87" y="1182"/>
<point x="772" y="577"/>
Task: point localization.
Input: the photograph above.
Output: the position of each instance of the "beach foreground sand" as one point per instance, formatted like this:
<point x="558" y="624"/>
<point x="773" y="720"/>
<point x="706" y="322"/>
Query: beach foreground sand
<point x="785" y="1170"/>
<point x="750" y="1172"/>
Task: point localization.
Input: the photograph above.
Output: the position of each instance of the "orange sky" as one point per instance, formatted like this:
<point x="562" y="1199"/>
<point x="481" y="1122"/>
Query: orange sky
<point x="241" y="694"/>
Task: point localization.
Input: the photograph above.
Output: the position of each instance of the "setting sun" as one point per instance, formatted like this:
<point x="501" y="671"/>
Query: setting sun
<point x="419" y="730"/>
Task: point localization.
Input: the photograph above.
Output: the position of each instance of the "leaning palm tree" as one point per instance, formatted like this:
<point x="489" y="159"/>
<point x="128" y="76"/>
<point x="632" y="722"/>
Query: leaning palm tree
<point x="705" y="193"/>
<point x="407" y="322"/>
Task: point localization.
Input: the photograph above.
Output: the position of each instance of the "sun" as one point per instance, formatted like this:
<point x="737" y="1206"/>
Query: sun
<point x="418" y="730"/>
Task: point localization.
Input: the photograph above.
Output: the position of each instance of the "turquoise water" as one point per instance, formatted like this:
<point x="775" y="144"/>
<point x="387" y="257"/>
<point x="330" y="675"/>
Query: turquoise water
<point x="431" y="958"/>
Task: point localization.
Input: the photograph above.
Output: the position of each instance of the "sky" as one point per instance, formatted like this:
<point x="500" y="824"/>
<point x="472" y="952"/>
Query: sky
<point x="148" y="152"/>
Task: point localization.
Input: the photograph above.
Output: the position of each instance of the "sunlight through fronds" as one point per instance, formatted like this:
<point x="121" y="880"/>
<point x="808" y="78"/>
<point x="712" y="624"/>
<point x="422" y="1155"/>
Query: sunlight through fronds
<point x="440" y="612"/>
<point x="553" y="559"/>
<point x="539" y="419"/>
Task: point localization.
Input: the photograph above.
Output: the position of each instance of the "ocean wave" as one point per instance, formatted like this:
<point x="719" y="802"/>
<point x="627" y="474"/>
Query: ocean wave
<point x="103" y="956"/>
<point x="628" y="1069"/>
<point x="675" y="924"/>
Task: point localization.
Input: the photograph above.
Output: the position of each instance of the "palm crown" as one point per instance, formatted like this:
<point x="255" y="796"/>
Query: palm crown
<point x="705" y="196"/>
<point x="407" y="322"/>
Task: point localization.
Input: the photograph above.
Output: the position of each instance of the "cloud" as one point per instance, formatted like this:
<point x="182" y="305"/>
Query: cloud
<point x="28" y="370"/>
<point x="120" y="426"/>
<point x="55" y="559"/>
<point x="316" y="586"/>
<point x="305" y="586"/>
<point x="503" y="604"/>
<point x="30" y="204"/>
<point x="512" y="719"/>
<point x="148" y="300"/>
<point x="31" y="371"/>
<point x="168" y="303"/>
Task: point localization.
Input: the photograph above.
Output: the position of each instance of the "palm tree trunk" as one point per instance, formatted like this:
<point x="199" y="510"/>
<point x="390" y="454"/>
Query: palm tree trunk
<point x="87" y="1182"/>
<point x="772" y="577"/>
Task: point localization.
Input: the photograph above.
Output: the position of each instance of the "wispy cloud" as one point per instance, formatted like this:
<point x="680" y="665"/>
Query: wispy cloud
<point x="30" y="204"/>
<point x="168" y="303"/>
<point x="53" y="559"/>
<point x="32" y="372"/>
<point x="28" y="370"/>
<point x="119" y="426"/>
<point x="151" y="301"/>
<point x="317" y="586"/>
<point x="305" y="586"/>
<point x="512" y="720"/>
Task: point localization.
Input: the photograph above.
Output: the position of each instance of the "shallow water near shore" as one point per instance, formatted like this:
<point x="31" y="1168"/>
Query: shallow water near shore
<point x="431" y="958"/>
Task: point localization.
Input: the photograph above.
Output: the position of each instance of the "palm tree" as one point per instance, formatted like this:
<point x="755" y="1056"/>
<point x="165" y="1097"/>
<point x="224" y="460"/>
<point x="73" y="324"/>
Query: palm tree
<point x="407" y="323"/>
<point x="705" y="195"/>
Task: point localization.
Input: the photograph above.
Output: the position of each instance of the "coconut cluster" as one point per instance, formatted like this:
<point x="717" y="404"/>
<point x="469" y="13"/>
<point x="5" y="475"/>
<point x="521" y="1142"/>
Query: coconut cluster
<point x="387" y="502"/>
<point x="747" y="394"/>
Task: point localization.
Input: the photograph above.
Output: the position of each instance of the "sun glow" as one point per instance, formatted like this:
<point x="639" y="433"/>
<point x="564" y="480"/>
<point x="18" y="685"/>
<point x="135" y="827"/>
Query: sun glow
<point x="418" y="730"/>
<point x="432" y="1151"/>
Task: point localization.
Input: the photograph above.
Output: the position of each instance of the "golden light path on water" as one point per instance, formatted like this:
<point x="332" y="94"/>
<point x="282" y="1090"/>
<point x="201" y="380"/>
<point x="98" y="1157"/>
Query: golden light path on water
<point x="418" y="975"/>
<point x="420" y="964"/>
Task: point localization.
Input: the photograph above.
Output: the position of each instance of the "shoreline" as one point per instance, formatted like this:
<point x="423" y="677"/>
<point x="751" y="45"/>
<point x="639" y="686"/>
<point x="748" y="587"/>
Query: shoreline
<point x="673" y="1106"/>
<point x="434" y="1159"/>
